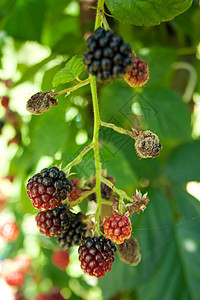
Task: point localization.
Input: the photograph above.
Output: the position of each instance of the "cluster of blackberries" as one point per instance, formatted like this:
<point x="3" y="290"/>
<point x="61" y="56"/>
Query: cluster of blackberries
<point x="108" y="56"/>
<point x="61" y="223"/>
<point x="48" y="188"/>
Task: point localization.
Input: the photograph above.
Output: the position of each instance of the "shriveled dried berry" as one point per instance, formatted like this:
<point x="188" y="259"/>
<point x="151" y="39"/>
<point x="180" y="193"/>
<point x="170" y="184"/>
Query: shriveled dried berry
<point x="147" y="144"/>
<point x="41" y="102"/>
<point x="129" y="252"/>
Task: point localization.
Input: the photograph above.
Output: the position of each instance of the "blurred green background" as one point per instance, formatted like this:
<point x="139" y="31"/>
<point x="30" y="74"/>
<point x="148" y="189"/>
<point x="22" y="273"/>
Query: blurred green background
<point x="36" y="40"/>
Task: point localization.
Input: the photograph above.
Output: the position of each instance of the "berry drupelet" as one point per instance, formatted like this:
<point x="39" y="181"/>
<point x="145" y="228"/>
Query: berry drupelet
<point x="74" y="234"/>
<point x="48" y="188"/>
<point x="54" y="222"/>
<point x="118" y="228"/>
<point x="76" y="193"/>
<point x="108" y="56"/>
<point x="96" y="256"/>
<point x="138" y="74"/>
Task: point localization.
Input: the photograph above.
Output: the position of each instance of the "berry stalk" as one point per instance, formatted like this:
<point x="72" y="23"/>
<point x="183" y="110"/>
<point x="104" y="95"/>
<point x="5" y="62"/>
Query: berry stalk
<point x="100" y="10"/>
<point x="73" y="88"/>
<point x="96" y="146"/>
<point x="117" y="129"/>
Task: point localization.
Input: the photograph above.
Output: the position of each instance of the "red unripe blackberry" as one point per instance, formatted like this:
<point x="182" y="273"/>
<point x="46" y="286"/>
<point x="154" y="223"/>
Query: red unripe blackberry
<point x="54" y="222"/>
<point x="9" y="231"/>
<point x="43" y="297"/>
<point x="75" y="194"/>
<point x="8" y="266"/>
<point x="117" y="228"/>
<point x="107" y="56"/>
<point x="15" y="278"/>
<point x="3" y="200"/>
<point x="19" y="297"/>
<point x="22" y="262"/>
<point x="74" y="234"/>
<point x="48" y="188"/>
<point x="5" y="101"/>
<point x="137" y="74"/>
<point x="60" y="258"/>
<point x="57" y="296"/>
<point x="96" y="256"/>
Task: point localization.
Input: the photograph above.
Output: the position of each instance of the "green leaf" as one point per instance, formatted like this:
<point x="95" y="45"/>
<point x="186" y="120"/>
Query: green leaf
<point x="166" y="114"/>
<point x="178" y="275"/>
<point x="72" y="70"/>
<point x="26" y="21"/>
<point x="184" y="163"/>
<point x="49" y="131"/>
<point x="147" y="12"/>
<point x="153" y="229"/>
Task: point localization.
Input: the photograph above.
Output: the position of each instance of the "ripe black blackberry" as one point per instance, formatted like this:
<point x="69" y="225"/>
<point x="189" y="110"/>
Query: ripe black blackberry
<point x="108" y="56"/>
<point x="48" y="188"/>
<point x="54" y="222"/>
<point x="74" y="234"/>
<point x="96" y="256"/>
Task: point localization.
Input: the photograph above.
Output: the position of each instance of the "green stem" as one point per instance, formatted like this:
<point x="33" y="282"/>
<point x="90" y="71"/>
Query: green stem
<point x="118" y="129"/>
<point x="83" y="196"/>
<point x="96" y="147"/>
<point x="78" y="159"/>
<point x="121" y="193"/>
<point x="100" y="9"/>
<point x="73" y="88"/>
<point x="121" y="203"/>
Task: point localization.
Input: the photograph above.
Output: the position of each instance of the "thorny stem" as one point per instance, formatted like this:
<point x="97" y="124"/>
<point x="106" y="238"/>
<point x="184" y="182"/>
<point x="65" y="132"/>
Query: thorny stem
<point x="121" y="193"/>
<point x="96" y="147"/>
<point x="83" y="196"/>
<point x="118" y="129"/>
<point x="78" y="159"/>
<point x="100" y="9"/>
<point x="73" y="88"/>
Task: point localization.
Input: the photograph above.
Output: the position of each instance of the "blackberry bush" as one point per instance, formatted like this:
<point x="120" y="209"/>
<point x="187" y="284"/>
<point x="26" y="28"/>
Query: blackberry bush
<point x="108" y="56"/>
<point x="48" y="188"/>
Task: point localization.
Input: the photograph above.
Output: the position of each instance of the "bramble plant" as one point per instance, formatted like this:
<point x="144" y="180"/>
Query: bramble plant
<point x="108" y="57"/>
<point x="97" y="166"/>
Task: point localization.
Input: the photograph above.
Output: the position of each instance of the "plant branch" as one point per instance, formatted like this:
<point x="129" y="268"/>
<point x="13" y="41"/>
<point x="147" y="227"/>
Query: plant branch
<point x="78" y="159"/>
<point x="83" y="196"/>
<point x="121" y="193"/>
<point x="73" y="88"/>
<point x="117" y="129"/>
<point x="96" y="147"/>
<point x="100" y="9"/>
